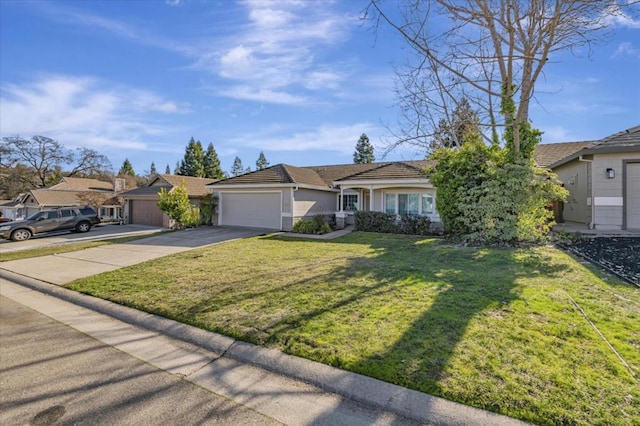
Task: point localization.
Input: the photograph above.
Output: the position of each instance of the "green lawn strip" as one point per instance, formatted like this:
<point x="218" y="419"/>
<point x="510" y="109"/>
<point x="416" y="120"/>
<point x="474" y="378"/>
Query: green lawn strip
<point x="64" y="248"/>
<point x="493" y="328"/>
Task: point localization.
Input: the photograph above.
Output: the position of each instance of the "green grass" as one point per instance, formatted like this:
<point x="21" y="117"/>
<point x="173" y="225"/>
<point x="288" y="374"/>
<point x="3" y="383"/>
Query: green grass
<point x="64" y="248"/>
<point x="492" y="328"/>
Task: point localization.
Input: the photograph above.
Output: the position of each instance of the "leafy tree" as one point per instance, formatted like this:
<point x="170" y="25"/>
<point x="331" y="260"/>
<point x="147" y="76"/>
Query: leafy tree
<point x="94" y="199"/>
<point x="211" y="163"/>
<point x="193" y="162"/>
<point x="175" y="203"/>
<point x="237" y="169"/>
<point x="491" y="51"/>
<point x="487" y="198"/>
<point x="46" y="158"/>
<point x="126" y="169"/>
<point x="364" y="151"/>
<point x="167" y="170"/>
<point x="152" y="169"/>
<point x="262" y="162"/>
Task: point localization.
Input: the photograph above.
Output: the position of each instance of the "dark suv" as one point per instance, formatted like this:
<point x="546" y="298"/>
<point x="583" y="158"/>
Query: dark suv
<point x="79" y="219"/>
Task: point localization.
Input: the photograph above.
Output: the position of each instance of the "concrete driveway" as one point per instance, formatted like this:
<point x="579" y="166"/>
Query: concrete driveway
<point x="100" y="232"/>
<point x="65" y="267"/>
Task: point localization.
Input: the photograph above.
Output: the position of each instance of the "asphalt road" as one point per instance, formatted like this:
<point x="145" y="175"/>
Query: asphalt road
<point x="51" y="373"/>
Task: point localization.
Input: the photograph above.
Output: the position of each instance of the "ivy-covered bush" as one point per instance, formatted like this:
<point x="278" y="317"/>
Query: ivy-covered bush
<point x="486" y="197"/>
<point x="317" y="225"/>
<point x="388" y="223"/>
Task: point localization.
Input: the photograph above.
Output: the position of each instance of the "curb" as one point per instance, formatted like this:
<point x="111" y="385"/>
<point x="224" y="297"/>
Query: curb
<point x="405" y="402"/>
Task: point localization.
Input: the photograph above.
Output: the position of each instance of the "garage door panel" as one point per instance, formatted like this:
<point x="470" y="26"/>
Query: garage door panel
<point x="146" y="212"/>
<point x="632" y="200"/>
<point x="254" y="210"/>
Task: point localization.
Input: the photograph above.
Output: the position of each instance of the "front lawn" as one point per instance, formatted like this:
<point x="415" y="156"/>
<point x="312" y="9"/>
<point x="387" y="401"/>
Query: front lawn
<point x="508" y="330"/>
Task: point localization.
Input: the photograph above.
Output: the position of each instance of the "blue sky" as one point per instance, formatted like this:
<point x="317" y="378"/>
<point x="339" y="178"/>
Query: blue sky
<point x="299" y="80"/>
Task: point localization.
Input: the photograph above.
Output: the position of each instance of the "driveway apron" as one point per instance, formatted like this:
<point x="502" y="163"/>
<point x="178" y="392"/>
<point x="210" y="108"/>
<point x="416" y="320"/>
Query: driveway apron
<point x="63" y="268"/>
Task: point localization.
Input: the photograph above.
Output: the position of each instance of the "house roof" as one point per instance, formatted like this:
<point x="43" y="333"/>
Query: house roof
<point x="550" y="153"/>
<point x="624" y="141"/>
<point x="82" y="184"/>
<point x="324" y="176"/>
<point x="196" y="186"/>
<point x="48" y="198"/>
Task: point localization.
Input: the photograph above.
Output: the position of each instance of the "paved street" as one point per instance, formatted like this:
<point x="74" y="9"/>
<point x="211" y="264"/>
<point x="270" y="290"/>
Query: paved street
<point x="50" y="371"/>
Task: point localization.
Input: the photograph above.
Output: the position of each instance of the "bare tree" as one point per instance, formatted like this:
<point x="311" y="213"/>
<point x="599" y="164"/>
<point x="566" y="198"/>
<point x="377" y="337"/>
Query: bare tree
<point x="46" y="158"/>
<point x="490" y="52"/>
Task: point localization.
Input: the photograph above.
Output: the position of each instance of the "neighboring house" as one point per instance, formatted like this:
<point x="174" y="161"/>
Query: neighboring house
<point x="603" y="179"/>
<point x="71" y="192"/>
<point x="279" y="196"/>
<point x="141" y="204"/>
<point x="13" y="209"/>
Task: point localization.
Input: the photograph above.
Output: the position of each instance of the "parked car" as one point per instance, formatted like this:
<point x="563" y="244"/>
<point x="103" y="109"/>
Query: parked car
<point x="79" y="219"/>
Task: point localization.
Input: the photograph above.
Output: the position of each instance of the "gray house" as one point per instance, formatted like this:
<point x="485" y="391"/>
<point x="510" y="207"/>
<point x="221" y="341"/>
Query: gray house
<point x="603" y="179"/>
<point x="279" y="196"/>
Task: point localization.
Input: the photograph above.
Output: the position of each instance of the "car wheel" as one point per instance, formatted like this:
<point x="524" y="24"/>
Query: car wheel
<point x="20" y="235"/>
<point x="83" y="227"/>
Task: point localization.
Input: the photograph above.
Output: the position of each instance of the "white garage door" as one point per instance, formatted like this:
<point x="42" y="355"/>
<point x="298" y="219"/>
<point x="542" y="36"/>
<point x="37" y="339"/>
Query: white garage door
<point x="632" y="201"/>
<point x="253" y="210"/>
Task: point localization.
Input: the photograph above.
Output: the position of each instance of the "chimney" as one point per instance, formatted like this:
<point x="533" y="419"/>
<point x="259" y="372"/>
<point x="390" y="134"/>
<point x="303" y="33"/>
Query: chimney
<point x="118" y="185"/>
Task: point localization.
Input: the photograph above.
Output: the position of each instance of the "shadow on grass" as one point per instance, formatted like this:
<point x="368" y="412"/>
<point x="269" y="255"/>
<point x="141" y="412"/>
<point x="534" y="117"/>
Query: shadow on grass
<point x="456" y="284"/>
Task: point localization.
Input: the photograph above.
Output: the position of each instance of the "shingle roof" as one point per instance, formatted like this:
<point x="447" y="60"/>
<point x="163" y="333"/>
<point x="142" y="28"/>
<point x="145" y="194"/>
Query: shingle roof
<point x="82" y="184"/>
<point x="48" y="198"/>
<point x="626" y="138"/>
<point x="556" y="154"/>
<point x="324" y="176"/>
<point x="196" y="186"/>
<point x="550" y="153"/>
<point x="395" y="170"/>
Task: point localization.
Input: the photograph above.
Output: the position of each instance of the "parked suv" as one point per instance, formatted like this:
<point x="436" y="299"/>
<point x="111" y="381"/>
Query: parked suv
<point x="79" y="219"/>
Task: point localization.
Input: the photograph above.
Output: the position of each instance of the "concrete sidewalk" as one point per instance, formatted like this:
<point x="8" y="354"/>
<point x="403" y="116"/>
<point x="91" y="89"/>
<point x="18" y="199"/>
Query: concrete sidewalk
<point x="286" y="388"/>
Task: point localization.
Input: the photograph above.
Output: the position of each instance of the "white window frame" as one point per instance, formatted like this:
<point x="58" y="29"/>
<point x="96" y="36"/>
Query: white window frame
<point x="396" y="201"/>
<point x="356" y="204"/>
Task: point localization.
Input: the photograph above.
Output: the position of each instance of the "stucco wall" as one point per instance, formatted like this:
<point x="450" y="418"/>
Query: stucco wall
<point x="575" y="176"/>
<point x="607" y="193"/>
<point x="308" y="202"/>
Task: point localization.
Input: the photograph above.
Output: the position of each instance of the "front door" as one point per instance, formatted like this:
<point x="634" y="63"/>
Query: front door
<point x="366" y="201"/>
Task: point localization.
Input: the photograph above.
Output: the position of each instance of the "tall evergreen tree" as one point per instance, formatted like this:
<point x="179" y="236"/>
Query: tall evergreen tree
<point x="152" y="169"/>
<point x="167" y="170"/>
<point x="262" y="162"/>
<point x="364" y="151"/>
<point x="178" y="169"/>
<point x="464" y="122"/>
<point x="192" y="165"/>
<point x="237" y="168"/>
<point x="126" y="169"/>
<point x="211" y="163"/>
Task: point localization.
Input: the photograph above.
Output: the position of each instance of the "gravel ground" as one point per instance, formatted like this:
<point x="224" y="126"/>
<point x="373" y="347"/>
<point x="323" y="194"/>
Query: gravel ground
<point x="619" y="255"/>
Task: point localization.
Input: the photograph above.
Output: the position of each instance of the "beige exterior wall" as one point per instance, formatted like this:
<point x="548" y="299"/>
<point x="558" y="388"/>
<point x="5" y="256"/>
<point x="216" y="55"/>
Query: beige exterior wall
<point x="308" y="202"/>
<point x="608" y="197"/>
<point x="575" y="176"/>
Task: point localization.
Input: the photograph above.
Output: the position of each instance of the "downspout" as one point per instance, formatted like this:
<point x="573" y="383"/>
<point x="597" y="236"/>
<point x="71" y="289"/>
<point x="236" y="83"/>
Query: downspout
<point x="592" y="224"/>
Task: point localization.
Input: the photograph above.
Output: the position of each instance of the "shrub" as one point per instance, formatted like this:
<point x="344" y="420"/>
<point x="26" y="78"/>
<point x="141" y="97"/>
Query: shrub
<point x="388" y="223"/>
<point x="317" y="225"/>
<point x="375" y="222"/>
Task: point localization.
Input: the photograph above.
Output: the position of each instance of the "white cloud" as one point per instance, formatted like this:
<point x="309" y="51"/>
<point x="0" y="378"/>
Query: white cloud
<point x="337" y="138"/>
<point x="616" y="17"/>
<point x="82" y="111"/>
<point x="626" y="49"/>
<point x="251" y="93"/>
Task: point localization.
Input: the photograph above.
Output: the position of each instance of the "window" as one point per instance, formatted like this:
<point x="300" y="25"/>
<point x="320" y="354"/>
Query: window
<point x="350" y="202"/>
<point x="67" y="213"/>
<point x="409" y="204"/>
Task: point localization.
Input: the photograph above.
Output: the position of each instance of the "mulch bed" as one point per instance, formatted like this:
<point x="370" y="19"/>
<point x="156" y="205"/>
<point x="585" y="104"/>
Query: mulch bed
<point x="618" y="255"/>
